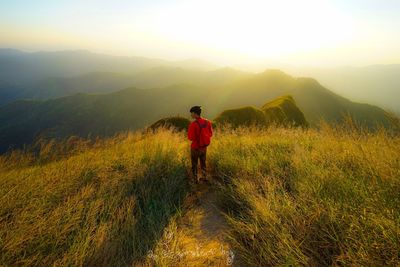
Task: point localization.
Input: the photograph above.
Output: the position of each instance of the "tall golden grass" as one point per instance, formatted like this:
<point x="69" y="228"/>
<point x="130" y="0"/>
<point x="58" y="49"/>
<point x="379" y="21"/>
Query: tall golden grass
<point x="326" y="196"/>
<point x="311" y="197"/>
<point x="105" y="205"/>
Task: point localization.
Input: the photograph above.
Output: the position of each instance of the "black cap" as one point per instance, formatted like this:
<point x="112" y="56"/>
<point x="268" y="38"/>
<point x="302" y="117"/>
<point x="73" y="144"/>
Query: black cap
<point x="196" y="109"/>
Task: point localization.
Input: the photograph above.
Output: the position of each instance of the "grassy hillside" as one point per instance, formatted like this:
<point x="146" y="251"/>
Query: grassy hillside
<point x="245" y="116"/>
<point x="312" y="198"/>
<point x="105" y="204"/>
<point x="280" y="111"/>
<point x="284" y="111"/>
<point x="291" y="197"/>
<point x="179" y="123"/>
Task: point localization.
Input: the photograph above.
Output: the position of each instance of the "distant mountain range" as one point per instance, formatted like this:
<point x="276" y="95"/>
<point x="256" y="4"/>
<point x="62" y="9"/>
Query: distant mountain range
<point x="43" y="75"/>
<point x="23" y="121"/>
<point x="374" y="84"/>
<point x="106" y="82"/>
<point x="22" y="68"/>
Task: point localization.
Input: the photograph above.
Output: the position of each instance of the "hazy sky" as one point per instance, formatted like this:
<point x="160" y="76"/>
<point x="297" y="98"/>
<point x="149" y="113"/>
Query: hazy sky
<point x="298" y="32"/>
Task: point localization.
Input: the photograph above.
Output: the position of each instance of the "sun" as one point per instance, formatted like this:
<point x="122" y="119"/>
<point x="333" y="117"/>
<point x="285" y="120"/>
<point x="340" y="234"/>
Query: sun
<point x="256" y="28"/>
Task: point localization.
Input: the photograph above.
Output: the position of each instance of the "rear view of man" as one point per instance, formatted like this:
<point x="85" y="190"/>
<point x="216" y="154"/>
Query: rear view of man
<point x="200" y="132"/>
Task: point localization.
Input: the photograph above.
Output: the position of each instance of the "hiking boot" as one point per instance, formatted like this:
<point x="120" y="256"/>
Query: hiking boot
<point x="195" y="179"/>
<point x="207" y="181"/>
<point x="206" y="177"/>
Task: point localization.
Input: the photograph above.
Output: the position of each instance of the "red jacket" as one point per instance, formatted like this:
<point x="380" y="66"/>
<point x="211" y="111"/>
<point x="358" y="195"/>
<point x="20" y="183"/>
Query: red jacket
<point x="194" y="131"/>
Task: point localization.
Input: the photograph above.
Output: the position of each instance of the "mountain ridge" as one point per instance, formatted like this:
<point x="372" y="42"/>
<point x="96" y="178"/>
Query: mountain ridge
<point x="133" y="108"/>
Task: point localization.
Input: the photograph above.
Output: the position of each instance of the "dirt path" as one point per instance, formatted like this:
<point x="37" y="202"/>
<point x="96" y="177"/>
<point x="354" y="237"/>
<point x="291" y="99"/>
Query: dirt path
<point x="203" y="226"/>
<point x="197" y="236"/>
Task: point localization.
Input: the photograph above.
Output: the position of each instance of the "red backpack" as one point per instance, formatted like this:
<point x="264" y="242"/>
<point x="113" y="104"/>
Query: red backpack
<point x="204" y="135"/>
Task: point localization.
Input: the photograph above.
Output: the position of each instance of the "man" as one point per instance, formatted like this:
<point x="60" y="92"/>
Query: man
<point x="200" y="132"/>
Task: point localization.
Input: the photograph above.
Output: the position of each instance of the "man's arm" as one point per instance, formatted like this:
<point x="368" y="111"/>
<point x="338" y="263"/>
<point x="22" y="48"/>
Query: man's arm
<point x="191" y="132"/>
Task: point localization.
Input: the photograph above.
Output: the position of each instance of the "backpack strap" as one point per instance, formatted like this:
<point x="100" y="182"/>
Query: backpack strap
<point x="202" y="126"/>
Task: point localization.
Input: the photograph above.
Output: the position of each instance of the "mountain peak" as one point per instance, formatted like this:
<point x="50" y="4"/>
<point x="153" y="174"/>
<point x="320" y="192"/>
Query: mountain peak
<point x="275" y="73"/>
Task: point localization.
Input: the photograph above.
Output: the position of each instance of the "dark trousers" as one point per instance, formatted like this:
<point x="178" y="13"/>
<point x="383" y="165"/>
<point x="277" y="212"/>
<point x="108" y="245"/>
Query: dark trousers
<point x="196" y="155"/>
